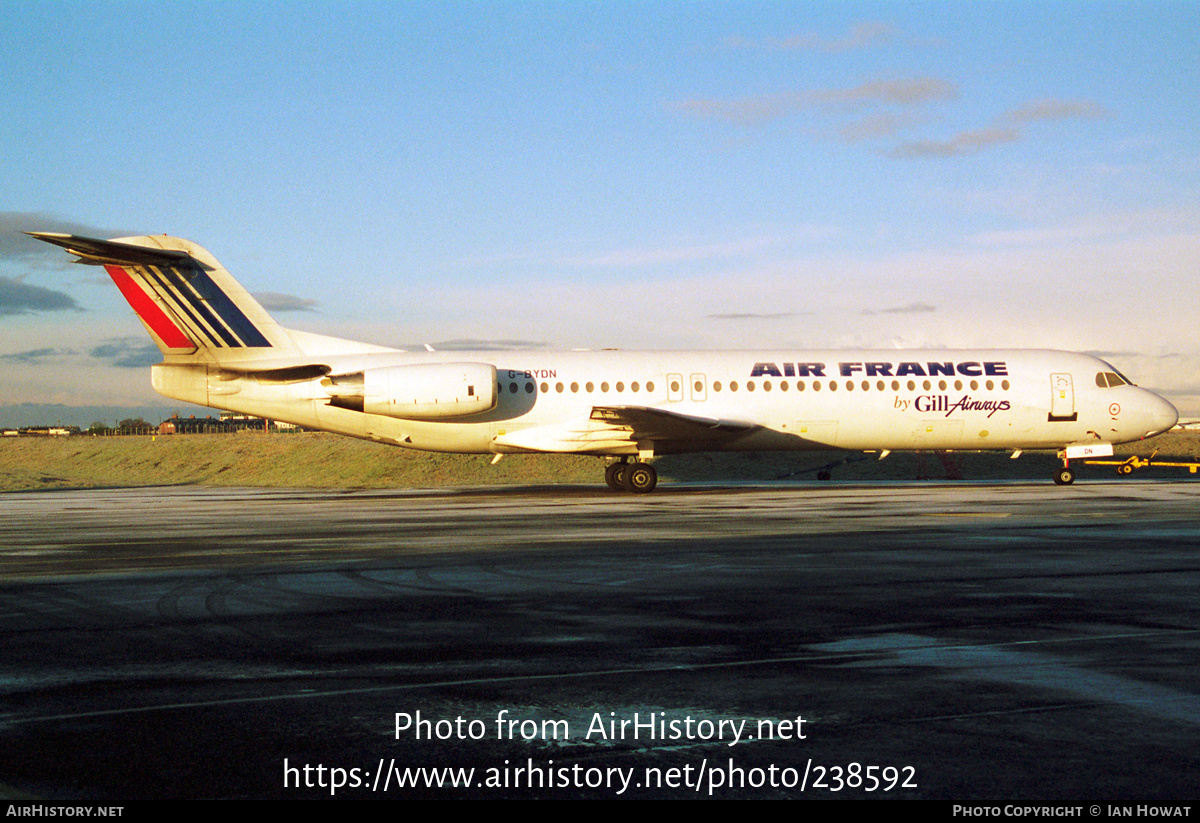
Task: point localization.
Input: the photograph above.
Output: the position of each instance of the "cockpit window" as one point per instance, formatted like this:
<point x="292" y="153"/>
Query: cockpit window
<point x="1113" y="377"/>
<point x="1109" y="379"/>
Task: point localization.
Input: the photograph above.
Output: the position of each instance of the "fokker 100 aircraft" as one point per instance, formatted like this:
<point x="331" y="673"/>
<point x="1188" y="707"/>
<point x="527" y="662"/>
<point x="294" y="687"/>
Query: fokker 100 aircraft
<point x="221" y="348"/>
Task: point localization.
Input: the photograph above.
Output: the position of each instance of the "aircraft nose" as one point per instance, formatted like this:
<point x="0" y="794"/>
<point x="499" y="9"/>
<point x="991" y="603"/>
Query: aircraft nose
<point x="1161" y="415"/>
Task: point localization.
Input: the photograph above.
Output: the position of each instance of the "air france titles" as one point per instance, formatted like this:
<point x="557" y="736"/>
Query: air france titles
<point x="931" y="368"/>
<point x="970" y="368"/>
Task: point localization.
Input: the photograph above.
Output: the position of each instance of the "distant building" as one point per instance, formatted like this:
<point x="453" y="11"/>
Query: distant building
<point x="227" y="423"/>
<point x="193" y="425"/>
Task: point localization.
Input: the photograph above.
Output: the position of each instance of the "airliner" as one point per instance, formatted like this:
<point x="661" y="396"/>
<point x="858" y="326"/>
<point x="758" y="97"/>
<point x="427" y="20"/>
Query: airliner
<point x="222" y="349"/>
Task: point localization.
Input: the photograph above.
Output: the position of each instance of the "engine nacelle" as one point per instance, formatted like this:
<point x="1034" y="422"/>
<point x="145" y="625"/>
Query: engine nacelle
<point x="427" y="391"/>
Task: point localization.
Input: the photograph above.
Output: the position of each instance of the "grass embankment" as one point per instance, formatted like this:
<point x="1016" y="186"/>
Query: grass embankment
<point x="316" y="460"/>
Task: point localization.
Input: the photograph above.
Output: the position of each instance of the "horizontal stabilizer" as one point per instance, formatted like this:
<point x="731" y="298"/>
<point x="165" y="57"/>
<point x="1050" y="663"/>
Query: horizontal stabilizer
<point x="112" y="252"/>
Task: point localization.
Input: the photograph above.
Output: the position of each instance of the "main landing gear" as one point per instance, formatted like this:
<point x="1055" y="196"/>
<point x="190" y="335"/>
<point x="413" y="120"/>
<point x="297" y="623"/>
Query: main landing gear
<point x="640" y="478"/>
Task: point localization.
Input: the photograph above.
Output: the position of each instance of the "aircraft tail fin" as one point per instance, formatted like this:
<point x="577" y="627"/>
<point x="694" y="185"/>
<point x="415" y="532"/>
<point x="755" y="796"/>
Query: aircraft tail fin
<point x="186" y="300"/>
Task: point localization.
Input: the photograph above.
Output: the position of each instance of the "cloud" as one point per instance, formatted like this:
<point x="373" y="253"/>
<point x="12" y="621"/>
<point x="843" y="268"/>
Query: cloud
<point x="15" y="245"/>
<point x="967" y="142"/>
<point x="32" y="356"/>
<point x="276" y="301"/>
<point x="20" y="298"/>
<point x="1053" y="109"/>
<point x="892" y="106"/>
<point x="911" y="308"/>
<point x="125" y="354"/>
<point x="1009" y="128"/>
<point x="758" y="109"/>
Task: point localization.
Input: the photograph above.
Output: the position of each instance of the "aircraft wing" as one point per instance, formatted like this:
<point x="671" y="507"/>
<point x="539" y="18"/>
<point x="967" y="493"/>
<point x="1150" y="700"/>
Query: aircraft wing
<point x="662" y="426"/>
<point x="619" y="430"/>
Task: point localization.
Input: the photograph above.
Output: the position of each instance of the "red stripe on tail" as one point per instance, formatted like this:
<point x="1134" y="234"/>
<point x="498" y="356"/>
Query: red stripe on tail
<point x="150" y="312"/>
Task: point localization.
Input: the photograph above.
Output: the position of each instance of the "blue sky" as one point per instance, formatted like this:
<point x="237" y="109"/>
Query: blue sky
<point x="641" y="175"/>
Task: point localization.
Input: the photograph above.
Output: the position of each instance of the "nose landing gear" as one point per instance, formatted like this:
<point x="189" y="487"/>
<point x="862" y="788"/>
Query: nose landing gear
<point x="1066" y="475"/>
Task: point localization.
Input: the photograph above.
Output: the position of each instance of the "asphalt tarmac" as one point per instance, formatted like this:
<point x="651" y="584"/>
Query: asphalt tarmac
<point x="972" y="642"/>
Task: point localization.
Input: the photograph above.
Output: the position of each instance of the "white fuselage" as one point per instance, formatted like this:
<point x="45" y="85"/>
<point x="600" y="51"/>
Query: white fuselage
<point x="854" y="400"/>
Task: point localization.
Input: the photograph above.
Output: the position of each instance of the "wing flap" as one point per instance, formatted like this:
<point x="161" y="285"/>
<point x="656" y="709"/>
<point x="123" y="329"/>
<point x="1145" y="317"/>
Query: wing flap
<point x="624" y="430"/>
<point x="660" y="425"/>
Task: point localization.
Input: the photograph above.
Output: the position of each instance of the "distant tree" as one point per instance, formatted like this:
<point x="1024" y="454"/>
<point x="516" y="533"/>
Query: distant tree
<point x="99" y="428"/>
<point x="134" y="425"/>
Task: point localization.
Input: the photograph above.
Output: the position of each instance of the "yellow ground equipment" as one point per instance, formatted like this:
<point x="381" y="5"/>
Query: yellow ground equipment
<point x="1126" y="467"/>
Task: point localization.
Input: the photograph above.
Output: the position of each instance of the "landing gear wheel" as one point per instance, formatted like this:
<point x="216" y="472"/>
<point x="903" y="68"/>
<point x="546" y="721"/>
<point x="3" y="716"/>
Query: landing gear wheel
<point x="641" y="478"/>
<point x="1064" y="477"/>
<point x="824" y="475"/>
<point x="1124" y="468"/>
<point x="614" y="476"/>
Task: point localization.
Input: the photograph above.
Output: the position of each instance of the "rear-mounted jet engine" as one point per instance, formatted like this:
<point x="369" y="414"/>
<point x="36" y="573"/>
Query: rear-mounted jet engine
<point x="433" y="391"/>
